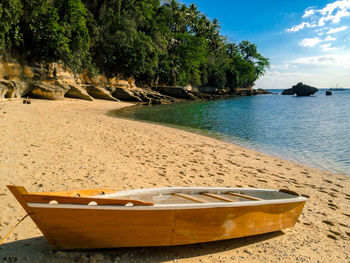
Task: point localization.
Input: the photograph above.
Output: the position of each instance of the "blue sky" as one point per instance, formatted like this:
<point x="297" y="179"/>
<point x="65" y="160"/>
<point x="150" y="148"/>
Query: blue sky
<point x="307" y="41"/>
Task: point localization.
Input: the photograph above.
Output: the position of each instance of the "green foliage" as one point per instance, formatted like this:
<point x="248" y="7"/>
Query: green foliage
<point x="43" y="35"/>
<point x="156" y="42"/>
<point x="10" y="12"/>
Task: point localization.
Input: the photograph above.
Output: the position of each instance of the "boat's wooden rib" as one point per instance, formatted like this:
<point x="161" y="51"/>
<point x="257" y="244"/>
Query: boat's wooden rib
<point x="219" y="197"/>
<point x="30" y="198"/>
<point x="245" y="196"/>
<point x="191" y="197"/>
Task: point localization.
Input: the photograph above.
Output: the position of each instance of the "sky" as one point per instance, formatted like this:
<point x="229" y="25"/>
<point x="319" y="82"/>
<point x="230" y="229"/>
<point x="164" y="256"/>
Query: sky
<point x="306" y="40"/>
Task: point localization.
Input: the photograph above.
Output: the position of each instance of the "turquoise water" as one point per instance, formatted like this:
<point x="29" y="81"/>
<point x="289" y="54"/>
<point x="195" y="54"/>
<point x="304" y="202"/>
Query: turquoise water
<point x="311" y="130"/>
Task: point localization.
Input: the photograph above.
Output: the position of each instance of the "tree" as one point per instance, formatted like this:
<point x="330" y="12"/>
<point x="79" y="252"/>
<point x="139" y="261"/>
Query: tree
<point x="10" y="12"/>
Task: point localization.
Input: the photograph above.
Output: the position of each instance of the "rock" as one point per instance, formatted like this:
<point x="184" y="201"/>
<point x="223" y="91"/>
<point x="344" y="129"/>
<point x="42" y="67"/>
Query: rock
<point x="99" y="92"/>
<point x="97" y="257"/>
<point x="19" y="89"/>
<point x="47" y="91"/>
<point x="124" y="93"/>
<point x="304" y="90"/>
<point x="175" y="91"/>
<point x="13" y="89"/>
<point x="77" y="92"/>
<point x="288" y="92"/>
<point x="208" y="89"/>
<point x="244" y="91"/>
<point x="261" y="92"/>
<point x="133" y="93"/>
<point x="328" y="93"/>
<point x="3" y="90"/>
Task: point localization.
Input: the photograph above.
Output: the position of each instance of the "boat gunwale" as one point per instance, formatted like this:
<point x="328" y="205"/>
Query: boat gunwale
<point x="168" y="190"/>
<point x="171" y="206"/>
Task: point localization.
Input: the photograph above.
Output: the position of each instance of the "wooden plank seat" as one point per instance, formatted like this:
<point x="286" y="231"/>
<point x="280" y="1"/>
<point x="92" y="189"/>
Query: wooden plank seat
<point x="219" y="197"/>
<point x="245" y="196"/>
<point x="35" y="198"/>
<point x="191" y="197"/>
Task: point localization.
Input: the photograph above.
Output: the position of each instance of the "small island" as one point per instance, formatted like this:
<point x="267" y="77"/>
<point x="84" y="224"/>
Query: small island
<point x="300" y="90"/>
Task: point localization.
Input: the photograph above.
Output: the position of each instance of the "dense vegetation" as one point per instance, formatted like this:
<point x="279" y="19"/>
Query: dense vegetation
<point x="156" y="42"/>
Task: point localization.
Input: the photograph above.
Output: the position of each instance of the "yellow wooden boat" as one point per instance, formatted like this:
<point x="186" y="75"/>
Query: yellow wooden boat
<point x="157" y="216"/>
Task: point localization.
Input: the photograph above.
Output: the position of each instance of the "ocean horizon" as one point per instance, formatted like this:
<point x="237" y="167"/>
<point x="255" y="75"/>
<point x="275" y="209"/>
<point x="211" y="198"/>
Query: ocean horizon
<point x="312" y="130"/>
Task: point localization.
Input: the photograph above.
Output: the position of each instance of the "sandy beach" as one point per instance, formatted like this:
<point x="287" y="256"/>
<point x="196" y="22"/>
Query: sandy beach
<point x="73" y="144"/>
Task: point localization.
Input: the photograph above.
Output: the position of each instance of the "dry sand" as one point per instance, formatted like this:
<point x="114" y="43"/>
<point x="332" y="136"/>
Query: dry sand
<point x="61" y="145"/>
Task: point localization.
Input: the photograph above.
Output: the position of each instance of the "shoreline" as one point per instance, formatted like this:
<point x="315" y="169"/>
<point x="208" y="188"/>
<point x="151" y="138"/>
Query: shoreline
<point x="219" y="137"/>
<point x="73" y="144"/>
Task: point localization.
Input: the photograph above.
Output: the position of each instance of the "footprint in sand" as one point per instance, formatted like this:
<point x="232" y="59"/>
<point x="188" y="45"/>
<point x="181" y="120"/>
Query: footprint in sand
<point x="328" y="222"/>
<point x="335" y="232"/>
<point x="332" y="206"/>
<point x="261" y="180"/>
<point x="331" y="237"/>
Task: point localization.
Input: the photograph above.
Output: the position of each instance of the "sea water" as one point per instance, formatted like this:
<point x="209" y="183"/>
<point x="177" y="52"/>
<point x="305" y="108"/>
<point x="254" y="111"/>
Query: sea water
<point x="312" y="130"/>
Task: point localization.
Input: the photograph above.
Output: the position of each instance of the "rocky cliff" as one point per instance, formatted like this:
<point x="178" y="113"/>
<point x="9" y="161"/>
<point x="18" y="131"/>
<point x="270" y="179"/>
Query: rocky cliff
<point x="54" y="81"/>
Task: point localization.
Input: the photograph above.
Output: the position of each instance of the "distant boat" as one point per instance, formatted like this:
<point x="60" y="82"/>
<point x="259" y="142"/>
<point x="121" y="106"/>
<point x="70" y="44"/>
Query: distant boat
<point x="337" y="88"/>
<point x="90" y="219"/>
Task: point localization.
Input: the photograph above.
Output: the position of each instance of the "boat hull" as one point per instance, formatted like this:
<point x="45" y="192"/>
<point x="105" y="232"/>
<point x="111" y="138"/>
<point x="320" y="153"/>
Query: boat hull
<point x="85" y="228"/>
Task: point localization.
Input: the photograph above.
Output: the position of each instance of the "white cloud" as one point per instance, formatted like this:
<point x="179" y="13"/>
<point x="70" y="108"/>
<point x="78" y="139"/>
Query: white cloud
<point x="310" y="42"/>
<point x="284" y="67"/>
<point x="336" y="30"/>
<point x="335" y="11"/>
<point x="308" y="12"/>
<point x="331" y="13"/>
<point x="300" y="27"/>
<point x="328" y="47"/>
<point x="330" y="38"/>
<point x="325" y="60"/>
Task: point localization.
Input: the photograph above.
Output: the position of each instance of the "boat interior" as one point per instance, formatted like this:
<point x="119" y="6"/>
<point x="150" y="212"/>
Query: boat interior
<point x="153" y="196"/>
<point x="200" y="195"/>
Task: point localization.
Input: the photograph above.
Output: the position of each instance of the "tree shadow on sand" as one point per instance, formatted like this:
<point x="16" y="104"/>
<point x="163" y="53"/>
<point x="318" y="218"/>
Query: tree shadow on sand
<point x="39" y="250"/>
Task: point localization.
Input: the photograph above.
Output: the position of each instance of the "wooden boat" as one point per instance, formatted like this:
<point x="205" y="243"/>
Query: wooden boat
<point x="157" y="216"/>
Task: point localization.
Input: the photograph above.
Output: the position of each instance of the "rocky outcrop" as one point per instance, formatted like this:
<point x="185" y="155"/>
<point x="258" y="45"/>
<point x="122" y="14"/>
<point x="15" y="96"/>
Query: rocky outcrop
<point x="3" y="91"/>
<point x="288" y="92"/>
<point x="54" y="81"/>
<point x="208" y="89"/>
<point x="328" y="93"/>
<point x="126" y="94"/>
<point x="47" y="91"/>
<point x="261" y="92"/>
<point x="13" y="89"/>
<point x="175" y="91"/>
<point x="300" y="90"/>
<point x="249" y="91"/>
<point x="77" y="92"/>
<point x="99" y="92"/>
<point x="140" y="95"/>
<point x="304" y="90"/>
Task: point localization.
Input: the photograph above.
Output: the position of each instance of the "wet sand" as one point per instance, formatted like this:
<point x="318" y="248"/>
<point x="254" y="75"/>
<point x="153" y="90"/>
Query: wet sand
<point x="72" y="144"/>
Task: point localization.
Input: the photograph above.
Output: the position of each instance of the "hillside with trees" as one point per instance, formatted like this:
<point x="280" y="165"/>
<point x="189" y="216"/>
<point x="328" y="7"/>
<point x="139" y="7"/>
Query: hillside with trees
<point x="155" y="42"/>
